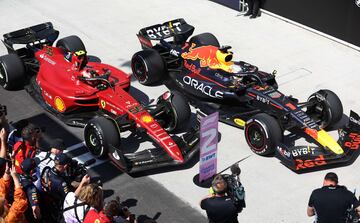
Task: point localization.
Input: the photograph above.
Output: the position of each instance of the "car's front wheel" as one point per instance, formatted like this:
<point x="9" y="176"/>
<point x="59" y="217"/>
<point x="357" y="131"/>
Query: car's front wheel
<point x="100" y="134"/>
<point x="263" y="133"/>
<point x="177" y="111"/>
<point x="325" y="107"/>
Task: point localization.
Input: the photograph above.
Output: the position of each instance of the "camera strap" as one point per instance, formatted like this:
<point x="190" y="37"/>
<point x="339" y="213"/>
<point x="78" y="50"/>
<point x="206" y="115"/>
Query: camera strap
<point x="75" y="206"/>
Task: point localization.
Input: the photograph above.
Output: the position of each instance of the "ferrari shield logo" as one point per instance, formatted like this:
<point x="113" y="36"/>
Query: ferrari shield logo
<point x="103" y="103"/>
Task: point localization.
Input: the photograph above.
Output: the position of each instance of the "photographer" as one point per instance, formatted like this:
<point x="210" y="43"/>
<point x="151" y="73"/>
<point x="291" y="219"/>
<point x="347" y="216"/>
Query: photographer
<point x="220" y="207"/>
<point x="54" y="186"/>
<point x="331" y="202"/>
<point x="46" y="158"/>
<point x="27" y="180"/>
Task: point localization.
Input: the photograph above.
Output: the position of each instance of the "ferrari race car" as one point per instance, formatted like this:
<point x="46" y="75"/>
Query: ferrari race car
<point x="245" y="97"/>
<point x="83" y="92"/>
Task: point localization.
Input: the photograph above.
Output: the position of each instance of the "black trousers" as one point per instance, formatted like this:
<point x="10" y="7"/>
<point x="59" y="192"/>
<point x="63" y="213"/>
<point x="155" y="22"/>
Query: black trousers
<point x="254" y="6"/>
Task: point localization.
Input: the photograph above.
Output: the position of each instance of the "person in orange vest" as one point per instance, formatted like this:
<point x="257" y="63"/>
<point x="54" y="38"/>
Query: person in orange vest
<point x="27" y="148"/>
<point x="13" y="213"/>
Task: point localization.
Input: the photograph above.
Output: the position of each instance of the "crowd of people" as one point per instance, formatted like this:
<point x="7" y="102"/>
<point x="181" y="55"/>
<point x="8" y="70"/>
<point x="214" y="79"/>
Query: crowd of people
<point x="36" y="184"/>
<point x="36" y="187"/>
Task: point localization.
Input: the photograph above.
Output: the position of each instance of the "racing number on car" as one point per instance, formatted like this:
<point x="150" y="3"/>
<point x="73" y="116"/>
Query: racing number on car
<point x="355" y="141"/>
<point x="49" y="51"/>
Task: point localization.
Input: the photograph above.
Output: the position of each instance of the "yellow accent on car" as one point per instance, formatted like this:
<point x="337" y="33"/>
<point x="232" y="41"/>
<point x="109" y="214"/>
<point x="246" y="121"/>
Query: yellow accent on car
<point x="147" y="118"/>
<point x="80" y="52"/>
<point x="326" y="140"/>
<point x="103" y="103"/>
<point x="239" y="122"/>
<point x="59" y="104"/>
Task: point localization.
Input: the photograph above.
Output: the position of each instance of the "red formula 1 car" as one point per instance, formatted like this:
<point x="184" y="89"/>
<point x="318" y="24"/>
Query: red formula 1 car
<point x="82" y="91"/>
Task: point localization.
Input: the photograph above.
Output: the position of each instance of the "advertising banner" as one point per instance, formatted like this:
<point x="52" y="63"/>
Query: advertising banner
<point x="208" y="146"/>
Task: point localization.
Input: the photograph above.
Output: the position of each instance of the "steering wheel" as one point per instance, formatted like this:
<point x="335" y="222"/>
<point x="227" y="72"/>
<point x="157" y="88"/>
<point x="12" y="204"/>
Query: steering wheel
<point x="104" y="78"/>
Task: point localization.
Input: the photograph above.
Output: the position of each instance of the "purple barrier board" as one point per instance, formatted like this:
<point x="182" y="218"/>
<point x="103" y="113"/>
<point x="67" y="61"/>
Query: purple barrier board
<point x="208" y="146"/>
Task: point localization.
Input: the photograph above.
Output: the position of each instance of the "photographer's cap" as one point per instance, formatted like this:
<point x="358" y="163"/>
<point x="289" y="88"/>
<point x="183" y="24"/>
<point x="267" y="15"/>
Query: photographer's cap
<point x="62" y="159"/>
<point x="28" y="165"/>
<point x="57" y="144"/>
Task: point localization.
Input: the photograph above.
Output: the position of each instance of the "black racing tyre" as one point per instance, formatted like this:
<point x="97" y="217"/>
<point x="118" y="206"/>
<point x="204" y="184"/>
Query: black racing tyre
<point x="178" y="112"/>
<point x="12" y="72"/>
<point x="205" y="39"/>
<point x="99" y="134"/>
<point x="147" y="66"/>
<point x="263" y="133"/>
<point x="71" y="43"/>
<point x="327" y="108"/>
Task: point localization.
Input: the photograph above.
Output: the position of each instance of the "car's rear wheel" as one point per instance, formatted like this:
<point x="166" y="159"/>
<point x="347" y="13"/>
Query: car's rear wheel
<point x="177" y="112"/>
<point x="205" y="39"/>
<point x="71" y="43"/>
<point x="147" y="66"/>
<point x="12" y="72"/>
<point x="100" y="134"/>
<point x="326" y="107"/>
<point x="263" y="133"/>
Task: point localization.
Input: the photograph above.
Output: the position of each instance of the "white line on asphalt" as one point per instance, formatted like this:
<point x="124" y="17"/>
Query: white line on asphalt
<point x="73" y="147"/>
<point x="87" y="156"/>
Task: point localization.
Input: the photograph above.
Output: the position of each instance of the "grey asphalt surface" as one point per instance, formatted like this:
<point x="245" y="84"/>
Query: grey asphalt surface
<point x="305" y="62"/>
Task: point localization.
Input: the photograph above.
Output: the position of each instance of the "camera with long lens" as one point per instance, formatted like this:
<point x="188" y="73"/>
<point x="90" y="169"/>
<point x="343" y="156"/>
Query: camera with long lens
<point x="235" y="189"/>
<point x="76" y="171"/>
<point x="352" y="215"/>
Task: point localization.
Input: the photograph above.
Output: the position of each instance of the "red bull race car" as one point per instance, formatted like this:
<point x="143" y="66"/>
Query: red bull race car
<point x="83" y="92"/>
<point x="245" y="97"/>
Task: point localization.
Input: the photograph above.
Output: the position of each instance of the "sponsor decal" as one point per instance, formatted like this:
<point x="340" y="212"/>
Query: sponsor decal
<point x="102" y="103"/>
<point x="284" y="152"/>
<point x="174" y="52"/>
<point x="47" y="95"/>
<point x="192" y="67"/>
<point x="304" y="164"/>
<point x="205" y="89"/>
<point x="352" y="119"/>
<point x="354" y="142"/>
<point x="47" y="59"/>
<point x="262" y="99"/>
<point x="59" y="104"/>
<point x="206" y="55"/>
<point x="357" y="3"/>
<point x="303" y="151"/>
<point x="208" y="146"/>
<point x="162" y="31"/>
<point x="147" y="119"/>
<point x="239" y="122"/>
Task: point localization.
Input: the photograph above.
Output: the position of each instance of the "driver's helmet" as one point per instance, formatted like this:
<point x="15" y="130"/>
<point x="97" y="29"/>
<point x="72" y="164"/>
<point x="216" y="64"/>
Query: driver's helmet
<point x="224" y="56"/>
<point x="80" y="59"/>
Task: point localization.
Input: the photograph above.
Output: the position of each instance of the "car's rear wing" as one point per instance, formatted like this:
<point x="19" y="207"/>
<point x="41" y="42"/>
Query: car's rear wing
<point x="176" y="28"/>
<point x="43" y="33"/>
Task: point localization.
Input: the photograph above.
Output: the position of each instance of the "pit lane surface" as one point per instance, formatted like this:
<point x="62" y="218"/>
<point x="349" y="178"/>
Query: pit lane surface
<point x="305" y="63"/>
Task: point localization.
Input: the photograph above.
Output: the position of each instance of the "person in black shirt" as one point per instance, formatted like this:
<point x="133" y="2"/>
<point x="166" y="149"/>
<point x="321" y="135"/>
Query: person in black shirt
<point x="331" y="202"/>
<point x="219" y="207"/>
<point x="254" y="6"/>
<point x="27" y="180"/>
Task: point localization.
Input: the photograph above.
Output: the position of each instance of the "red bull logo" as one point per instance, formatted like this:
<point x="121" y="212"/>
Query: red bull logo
<point x="206" y="55"/>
